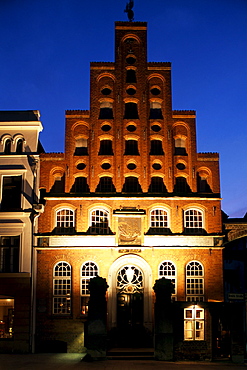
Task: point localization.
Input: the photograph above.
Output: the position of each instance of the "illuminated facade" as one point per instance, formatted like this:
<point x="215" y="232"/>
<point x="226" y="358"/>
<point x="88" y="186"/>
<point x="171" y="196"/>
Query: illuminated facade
<point x="19" y="180"/>
<point x="130" y="200"/>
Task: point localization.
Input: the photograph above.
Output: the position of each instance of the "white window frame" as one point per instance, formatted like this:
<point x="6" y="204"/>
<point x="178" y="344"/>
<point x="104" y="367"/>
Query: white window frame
<point x="194" y="323"/>
<point x="172" y="277"/>
<point x="61" y="303"/>
<point x="71" y="218"/>
<point x="191" y="221"/>
<point x="100" y="209"/>
<point x="160" y="209"/>
<point x="93" y="271"/>
<point x="195" y="283"/>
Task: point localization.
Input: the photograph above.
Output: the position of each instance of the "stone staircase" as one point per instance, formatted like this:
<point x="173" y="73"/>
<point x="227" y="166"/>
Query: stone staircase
<point x="130" y="354"/>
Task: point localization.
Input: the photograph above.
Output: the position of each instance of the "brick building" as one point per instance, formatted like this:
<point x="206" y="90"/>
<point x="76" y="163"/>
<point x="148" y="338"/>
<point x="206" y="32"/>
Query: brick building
<point x="130" y="200"/>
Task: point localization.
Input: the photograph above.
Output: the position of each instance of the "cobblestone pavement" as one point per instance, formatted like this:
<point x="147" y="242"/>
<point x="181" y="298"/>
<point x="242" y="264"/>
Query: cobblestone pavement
<point x="73" y="361"/>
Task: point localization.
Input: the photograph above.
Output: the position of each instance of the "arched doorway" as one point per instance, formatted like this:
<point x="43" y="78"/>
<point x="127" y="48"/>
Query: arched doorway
<point x="130" y="302"/>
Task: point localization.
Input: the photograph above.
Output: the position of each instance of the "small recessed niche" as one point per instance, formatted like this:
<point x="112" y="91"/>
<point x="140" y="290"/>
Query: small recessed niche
<point x="106" y="127"/>
<point x="106" y="166"/>
<point x="156" y="128"/>
<point x="157" y="166"/>
<point x="131" y="60"/>
<point x="180" y="166"/>
<point x="81" y="166"/>
<point x="155" y="91"/>
<point x="131" y="91"/>
<point x="131" y="166"/>
<point x="106" y="91"/>
<point x="131" y="128"/>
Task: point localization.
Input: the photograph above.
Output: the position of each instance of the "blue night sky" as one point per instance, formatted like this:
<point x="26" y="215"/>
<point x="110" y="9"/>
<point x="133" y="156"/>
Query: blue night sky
<point x="46" y="47"/>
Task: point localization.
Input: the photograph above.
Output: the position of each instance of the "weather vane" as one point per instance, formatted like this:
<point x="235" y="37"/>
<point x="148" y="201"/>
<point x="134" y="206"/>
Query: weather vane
<point x="129" y="10"/>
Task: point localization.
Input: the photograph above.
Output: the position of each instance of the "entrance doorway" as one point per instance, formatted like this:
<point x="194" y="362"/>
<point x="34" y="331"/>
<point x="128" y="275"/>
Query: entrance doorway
<point x="130" y="303"/>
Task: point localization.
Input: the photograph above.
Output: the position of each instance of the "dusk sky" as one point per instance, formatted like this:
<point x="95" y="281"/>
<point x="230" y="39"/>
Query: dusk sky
<point x="47" y="45"/>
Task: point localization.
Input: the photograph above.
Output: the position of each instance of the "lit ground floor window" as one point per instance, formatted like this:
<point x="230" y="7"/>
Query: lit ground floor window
<point x="6" y="317"/>
<point x="194" y="323"/>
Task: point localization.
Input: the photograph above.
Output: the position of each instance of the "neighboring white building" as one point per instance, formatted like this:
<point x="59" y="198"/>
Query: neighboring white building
<point x="19" y="180"/>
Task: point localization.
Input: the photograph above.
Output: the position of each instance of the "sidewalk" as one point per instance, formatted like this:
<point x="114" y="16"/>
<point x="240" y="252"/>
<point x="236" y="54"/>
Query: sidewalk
<point x="67" y="361"/>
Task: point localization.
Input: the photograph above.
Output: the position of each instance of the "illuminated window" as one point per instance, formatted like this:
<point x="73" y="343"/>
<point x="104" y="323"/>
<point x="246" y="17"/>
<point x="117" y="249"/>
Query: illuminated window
<point x="99" y="219"/>
<point x="62" y="288"/>
<point x="194" y="323"/>
<point x="6" y="317"/>
<point x="158" y="218"/>
<point x="193" y="219"/>
<point x="88" y="270"/>
<point x="65" y="218"/>
<point x="167" y="270"/>
<point x="194" y="282"/>
<point x="9" y="253"/>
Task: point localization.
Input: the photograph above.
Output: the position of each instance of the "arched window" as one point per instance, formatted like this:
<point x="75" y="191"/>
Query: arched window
<point x="131" y="111"/>
<point x="62" y="288"/>
<point x="99" y="222"/>
<point x="65" y="220"/>
<point x="193" y="221"/>
<point x="157" y="185"/>
<point x="131" y="147"/>
<point x="167" y="269"/>
<point x="194" y="282"/>
<point x="202" y="184"/>
<point x="105" y="147"/>
<point x="158" y="218"/>
<point x="156" y="147"/>
<point x="105" y="185"/>
<point x="131" y="185"/>
<point x="7" y="146"/>
<point x="88" y="271"/>
<point x="19" y="146"/>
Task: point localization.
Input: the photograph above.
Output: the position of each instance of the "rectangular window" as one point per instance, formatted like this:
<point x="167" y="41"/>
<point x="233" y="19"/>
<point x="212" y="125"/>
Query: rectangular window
<point x="6" y="317"/>
<point x="11" y="193"/>
<point x="194" y="323"/>
<point x="9" y="253"/>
